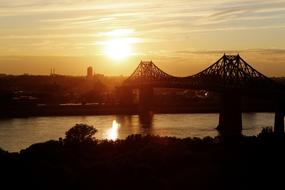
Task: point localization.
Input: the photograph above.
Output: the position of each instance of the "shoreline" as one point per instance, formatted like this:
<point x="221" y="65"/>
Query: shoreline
<point x="79" y="110"/>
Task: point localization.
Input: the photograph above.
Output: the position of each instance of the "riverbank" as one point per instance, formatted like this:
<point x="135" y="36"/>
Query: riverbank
<point x="73" y="110"/>
<point x="149" y="162"/>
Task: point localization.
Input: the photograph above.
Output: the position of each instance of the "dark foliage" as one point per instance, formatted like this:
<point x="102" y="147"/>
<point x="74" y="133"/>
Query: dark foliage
<point x="80" y="133"/>
<point x="148" y="162"/>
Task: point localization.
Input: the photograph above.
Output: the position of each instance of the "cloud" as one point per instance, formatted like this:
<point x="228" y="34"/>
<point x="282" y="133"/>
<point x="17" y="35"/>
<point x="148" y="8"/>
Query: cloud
<point x="260" y="51"/>
<point x="159" y="22"/>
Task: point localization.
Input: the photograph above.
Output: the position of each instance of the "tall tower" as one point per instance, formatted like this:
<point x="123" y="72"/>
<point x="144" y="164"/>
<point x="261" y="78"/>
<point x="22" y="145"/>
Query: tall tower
<point x="89" y="72"/>
<point x="52" y="71"/>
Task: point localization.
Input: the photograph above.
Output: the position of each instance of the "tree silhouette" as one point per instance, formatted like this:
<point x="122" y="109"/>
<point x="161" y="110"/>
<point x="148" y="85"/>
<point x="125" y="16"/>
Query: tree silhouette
<point x="80" y="133"/>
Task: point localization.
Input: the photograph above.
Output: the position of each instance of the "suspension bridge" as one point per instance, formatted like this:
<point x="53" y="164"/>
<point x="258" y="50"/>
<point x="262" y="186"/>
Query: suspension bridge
<point x="231" y="76"/>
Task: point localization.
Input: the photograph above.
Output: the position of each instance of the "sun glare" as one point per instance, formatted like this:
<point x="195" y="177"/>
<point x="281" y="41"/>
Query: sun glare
<point x="112" y="133"/>
<point x="119" y="43"/>
<point x="117" y="49"/>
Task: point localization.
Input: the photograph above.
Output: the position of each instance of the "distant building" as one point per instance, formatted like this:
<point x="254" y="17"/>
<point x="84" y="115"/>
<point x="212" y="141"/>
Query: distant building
<point x="89" y="72"/>
<point x="52" y="72"/>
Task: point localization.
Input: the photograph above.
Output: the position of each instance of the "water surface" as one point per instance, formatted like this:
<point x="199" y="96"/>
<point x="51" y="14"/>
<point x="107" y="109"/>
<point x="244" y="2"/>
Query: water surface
<point x="19" y="133"/>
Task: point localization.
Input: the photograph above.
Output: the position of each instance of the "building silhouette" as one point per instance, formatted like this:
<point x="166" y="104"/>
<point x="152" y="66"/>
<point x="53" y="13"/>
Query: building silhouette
<point x="89" y="72"/>
<point x="52" y="72"/>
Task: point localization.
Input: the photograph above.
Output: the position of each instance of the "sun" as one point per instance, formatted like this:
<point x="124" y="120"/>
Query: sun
<point x="117" y="49"/>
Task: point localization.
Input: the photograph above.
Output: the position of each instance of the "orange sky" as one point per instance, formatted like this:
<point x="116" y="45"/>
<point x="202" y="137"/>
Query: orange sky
<point x="180" y="36"/>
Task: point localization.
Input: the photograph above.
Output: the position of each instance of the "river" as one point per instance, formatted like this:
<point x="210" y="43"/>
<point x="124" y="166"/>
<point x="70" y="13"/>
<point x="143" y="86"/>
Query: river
<point x="19" y="133"/>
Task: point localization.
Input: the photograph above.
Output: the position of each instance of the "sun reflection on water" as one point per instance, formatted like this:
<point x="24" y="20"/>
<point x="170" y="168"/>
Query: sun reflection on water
<point x="112" y="133"/>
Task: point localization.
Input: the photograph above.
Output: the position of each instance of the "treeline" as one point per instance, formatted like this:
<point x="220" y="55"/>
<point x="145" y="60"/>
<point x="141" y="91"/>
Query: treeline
<point x="29" y="90"/>
<point x="147" y="162"/>
<point x="57" y="89"/>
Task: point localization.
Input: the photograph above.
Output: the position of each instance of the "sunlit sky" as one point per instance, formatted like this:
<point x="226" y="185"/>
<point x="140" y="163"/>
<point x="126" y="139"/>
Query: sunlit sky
<point x="180" y="36"/>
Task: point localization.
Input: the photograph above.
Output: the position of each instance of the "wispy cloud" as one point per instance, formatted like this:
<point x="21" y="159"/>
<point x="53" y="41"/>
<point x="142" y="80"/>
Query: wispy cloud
<point x="182" y="23"/>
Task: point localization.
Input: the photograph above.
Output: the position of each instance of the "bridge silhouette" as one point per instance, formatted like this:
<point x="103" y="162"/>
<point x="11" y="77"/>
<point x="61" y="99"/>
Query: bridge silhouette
<point x="231" y="76"/>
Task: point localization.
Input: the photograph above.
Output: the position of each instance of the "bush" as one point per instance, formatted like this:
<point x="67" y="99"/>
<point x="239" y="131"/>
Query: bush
<point x="80" y="133"/>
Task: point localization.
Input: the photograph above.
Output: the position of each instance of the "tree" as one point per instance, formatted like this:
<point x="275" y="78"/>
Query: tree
<point x="80" y="133"/>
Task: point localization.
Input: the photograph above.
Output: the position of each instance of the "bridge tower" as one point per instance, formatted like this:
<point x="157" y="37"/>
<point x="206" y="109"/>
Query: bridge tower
<point x="233" y="77"/>
<point x="145" y="98"/>
<point x="145" y="78"/>
<point x="125" y="95"/>
<point x="230" y="116"/>
<point x="279" y="117"/>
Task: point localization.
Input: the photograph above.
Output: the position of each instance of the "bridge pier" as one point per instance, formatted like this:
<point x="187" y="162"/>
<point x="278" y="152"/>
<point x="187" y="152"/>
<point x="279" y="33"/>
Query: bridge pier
<point x="230" y="117"/>
<point x="279" y="118"/>
<point x="145" y="119"/>
<point x="125" y="96"/>
<point x="145" y="98"/>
